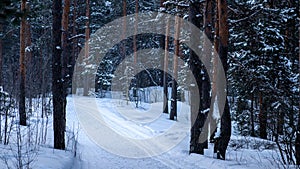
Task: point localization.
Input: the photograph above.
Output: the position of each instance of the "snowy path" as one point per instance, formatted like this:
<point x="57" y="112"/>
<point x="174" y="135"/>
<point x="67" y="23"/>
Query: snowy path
<point x="91" y="155"/>
<point x="136" y="127"/>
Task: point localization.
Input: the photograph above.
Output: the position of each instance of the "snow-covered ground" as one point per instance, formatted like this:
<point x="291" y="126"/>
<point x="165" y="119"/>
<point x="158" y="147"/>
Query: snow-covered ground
<point x="147" y="122"/>
<point x="113" y="134"/>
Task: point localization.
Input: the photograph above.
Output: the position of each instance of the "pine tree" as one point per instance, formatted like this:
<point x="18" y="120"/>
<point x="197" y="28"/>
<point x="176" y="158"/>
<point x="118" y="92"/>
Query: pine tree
<point x="173" y="111"/>
<point x="166" y="61"/>
<point x="197" y="118"/>
<point x="223" y="140"/>
<point x="264" y="68"/>
<point x="86" y="47"/>
<point x="297" y="142"/>
<point x="1" y="54"/>
<point x="59" y="121"/>
<point x="22" y="110"/>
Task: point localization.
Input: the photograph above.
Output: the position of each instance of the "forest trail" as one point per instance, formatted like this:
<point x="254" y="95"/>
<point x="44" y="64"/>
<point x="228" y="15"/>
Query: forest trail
<point x="91" y="155"/>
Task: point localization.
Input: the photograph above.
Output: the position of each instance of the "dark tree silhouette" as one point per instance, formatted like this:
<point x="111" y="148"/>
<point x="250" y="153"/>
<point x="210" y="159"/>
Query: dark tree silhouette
<point x="59" y="119"/>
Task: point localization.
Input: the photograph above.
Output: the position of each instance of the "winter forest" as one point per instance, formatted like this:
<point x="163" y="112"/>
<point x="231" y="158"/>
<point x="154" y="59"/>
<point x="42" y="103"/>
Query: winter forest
<point x="149" y="84"/>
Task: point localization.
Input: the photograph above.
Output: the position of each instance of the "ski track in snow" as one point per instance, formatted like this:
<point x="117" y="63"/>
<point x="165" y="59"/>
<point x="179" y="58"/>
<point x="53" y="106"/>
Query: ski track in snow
<point x="90" y="155"/>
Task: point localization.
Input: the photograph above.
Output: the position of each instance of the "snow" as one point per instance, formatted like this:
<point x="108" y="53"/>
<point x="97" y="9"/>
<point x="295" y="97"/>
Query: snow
<point x="92" y="156"/>
<point x="28" y="49"/>
<point x="216" y="112"/>
<point x="140" y="124"/>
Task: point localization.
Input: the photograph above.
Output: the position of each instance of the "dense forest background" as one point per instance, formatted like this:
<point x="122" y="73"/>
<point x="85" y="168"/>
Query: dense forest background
<point x="262" y="59"/>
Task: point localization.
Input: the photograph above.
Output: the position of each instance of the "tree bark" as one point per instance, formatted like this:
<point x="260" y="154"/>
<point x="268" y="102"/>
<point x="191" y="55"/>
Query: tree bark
<point x="135" y="30"/>
<point x="252" y="116"/>
<point x="1" y="54"/>
<point x="173" y="112"/>
<point x="205" y="88"/>
<point x="166" y="61"/>
<point x="65" y="58"/>
<point x="123" y="46"/>
<point x="161" y="46"/>
<point x="197" y="118"/>
<point x="222" y="51"/>
<point x="74" y="46"/>
<point x="22" y="110"/>
<point x="297" y="142"/>
<point x="29" y="67"/>
<point x="262" y="118"/>
<point x="59" y="120"/>
<point x="136" y="78"/>
<point x="64" y="40"/>
<point x="86" y="46"/>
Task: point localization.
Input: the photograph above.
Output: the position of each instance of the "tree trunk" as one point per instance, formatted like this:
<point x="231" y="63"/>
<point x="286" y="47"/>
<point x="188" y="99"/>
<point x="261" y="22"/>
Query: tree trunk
<point x="1" y="54"/>
<point x="297" y="143"/>
<point x="162" y="41"/>
<point x="197" y="118"/>
<point x="280" y="123"/>
<point x="74" y="46"/>
<point x="65" y="57"/>
<point x="86" y="47"/>
<point x="166" y="61"/>
<point x="262" y="118"/>
<point x="173" y="112"/>
<point x="59" y="120"/>
<point x="136" y="79"/>
<point x="225" y="134"/>
<point x="29" y="67"/>
<point x="22" y="110"/>
<point x="123" y="46"/>
<point x="205" y="88"/>
<point x="64" y="39"/>
<point x="135" y="30"/>
<point x="252" y="115"/>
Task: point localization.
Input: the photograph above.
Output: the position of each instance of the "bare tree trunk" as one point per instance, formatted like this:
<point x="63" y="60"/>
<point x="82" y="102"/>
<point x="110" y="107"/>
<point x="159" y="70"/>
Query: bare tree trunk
<point x="65" y="58"/>
<point x="59" y="121"/>
<point x="29" y="67"/>
<point x="136" y="78"/>
<point x="1" y="55"/>
<point x="205" y="88"/>
<point x="74" y="46"/>
<point x="135" y="30"/>
<point x="64" y="40"/>
<point x="197" y="118"/>
<point x="86" y="46"/>
<point x="22" y="110"/>
<point x="297" y="144"/>
<point x="262" y="118"/>
<point x="215" y="69"/>
<point x="252" y="116"/>
<point x="162" y="46"/>
<point x="173" y="112"/>
<point x="124" y="45"/>
<point x="166" y="61"/>
<point x="222" y="51"/>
